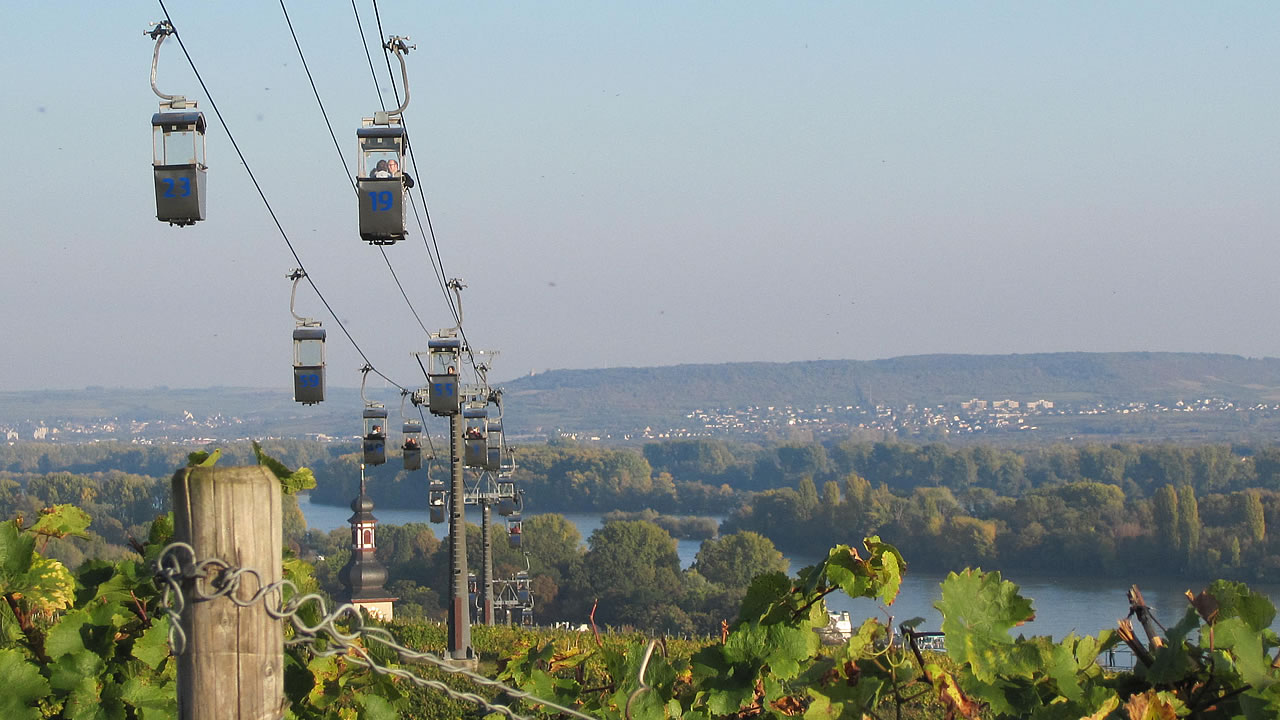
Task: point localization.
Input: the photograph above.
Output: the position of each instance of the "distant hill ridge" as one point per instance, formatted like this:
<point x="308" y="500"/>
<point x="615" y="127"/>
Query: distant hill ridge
<point x="623" y="399"/>
<point x="574" y="396"/>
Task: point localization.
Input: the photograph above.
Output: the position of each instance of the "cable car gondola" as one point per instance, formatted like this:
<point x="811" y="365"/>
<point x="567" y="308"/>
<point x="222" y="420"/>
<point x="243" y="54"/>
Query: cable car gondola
<point x="443" y="394"/>
<point x="380" y="179"/>
<point x="435" y="500"/>
<point x="412" y="447"/>
<point x="475" y="446"/>
<point x="308" y="352"/>
<point x="381" y="182"/>
<point x="493" y="439"/>
<point x="375" y="434"/>
<point x="177" y="150"/>
<point x="515" y="528"/>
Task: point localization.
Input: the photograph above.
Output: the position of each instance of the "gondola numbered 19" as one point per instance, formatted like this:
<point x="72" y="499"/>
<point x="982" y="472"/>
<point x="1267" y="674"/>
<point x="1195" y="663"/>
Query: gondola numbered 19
<point x="380" y="182"/>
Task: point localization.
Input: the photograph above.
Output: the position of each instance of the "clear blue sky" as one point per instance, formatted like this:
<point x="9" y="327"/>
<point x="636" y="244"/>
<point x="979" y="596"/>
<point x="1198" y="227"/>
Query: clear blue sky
<point x="630" y="184"/>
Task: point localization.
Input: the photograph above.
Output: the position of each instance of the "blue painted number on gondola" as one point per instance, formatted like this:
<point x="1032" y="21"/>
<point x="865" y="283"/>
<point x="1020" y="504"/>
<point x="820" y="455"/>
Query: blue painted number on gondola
<point x="444" y="388"/>
<point x="309" y="380"/>
<point x="169" y="182"/>
<point x="380" y="200"/>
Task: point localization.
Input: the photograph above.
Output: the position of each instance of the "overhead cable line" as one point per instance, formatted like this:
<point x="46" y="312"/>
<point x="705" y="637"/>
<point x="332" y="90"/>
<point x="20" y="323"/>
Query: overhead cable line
<point x="429" y="231"/>
<point x="457" y="312"/>
<point x="437" y="263"/>
<point x="345" y="170"/>
<point x="244" y="161"/>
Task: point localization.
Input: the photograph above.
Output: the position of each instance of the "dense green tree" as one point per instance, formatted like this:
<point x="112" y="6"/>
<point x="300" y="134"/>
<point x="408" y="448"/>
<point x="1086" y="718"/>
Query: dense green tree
<point x="1165" y="515"/>
<point x="1254" y="518"/>
<point x="1188" y="520"/>
<point x="733" y="560"/>
<point x="630" y="568"/>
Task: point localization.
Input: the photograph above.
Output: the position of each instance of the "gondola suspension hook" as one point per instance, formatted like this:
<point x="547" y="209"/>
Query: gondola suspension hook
<point x="159" y="31"/>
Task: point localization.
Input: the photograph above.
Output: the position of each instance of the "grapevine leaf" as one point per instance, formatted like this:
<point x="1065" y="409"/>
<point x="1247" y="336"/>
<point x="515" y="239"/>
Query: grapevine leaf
<point x="50" y="586"/>
<point x="23" y="685"/>
<point x="887" y="566"/>
<point x="161" y="531"/>
<point x="1235" y="599"/>
<point x="152" y="647"/>
<point x="1060" y="664"/>
<point x="153" y="702"/>
<point x="728" y="701"/>
<point x="956" y="702"/>
<point x="978" y="610"/>
<point x="67" y="636"/>
<point x="70" y="670"/>
<point x="16" y="551"/>
<point x="84" y="702"/>
<point x="1246" y="646"/>
<point x="1150" y="706"/>
<point x="1107" y="707"/>
<point x="10" y="630"/>
<point x="62" y="520"/>
<point x="373" y="707"/>
<point x="201" y="458"/>
<point x="291" y="481"/>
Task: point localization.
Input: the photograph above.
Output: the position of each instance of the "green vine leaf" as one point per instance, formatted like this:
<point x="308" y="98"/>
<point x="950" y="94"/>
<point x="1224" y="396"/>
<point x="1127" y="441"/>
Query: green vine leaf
<point x="200" y="458"/>
<point x="979" y="609"/>
<point x="61" y="521"/>
<point x="23" y="686"/>
<point x="17" y="550"/>
<point x="291" y="481"/>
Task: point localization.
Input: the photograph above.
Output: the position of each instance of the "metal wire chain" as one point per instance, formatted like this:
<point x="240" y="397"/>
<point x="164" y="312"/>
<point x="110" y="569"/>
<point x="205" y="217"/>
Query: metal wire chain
<point x="208" y="579"/>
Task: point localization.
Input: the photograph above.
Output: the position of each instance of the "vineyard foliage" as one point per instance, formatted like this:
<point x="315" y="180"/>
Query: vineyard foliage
<point x="92" y="644"/>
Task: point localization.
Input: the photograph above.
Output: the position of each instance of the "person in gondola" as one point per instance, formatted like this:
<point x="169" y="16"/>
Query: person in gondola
<point x="394" y="167"/>
<point x="375" y="432"/>
<point x="382" y="170"/>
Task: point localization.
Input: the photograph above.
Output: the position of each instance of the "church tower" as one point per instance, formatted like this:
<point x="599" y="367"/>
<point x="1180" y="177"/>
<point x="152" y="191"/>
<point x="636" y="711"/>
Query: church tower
<point x="363" y="575"/>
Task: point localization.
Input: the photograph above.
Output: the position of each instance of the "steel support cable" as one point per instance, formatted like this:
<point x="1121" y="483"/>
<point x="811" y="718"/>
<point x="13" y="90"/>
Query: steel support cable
<point x="369" y="56"/>
<point x="338" y="148"/>
<point x="244" y="161"/>
<point x="437" y="267"/>
<point x="438" y="258"/>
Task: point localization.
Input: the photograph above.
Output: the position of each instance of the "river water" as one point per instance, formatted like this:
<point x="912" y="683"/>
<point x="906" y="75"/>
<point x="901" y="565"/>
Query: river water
<point x="1082" y="605"/>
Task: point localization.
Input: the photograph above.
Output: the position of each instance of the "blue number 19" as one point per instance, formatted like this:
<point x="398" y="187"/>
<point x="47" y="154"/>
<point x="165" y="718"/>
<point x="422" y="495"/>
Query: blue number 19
<point x="380" y="200"/>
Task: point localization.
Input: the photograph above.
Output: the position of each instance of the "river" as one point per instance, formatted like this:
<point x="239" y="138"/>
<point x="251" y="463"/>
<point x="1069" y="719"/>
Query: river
<point x="1062" y="605"/>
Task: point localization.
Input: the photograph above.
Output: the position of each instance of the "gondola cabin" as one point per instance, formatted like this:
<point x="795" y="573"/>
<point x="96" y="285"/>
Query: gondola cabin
<point x="443" y="394"/>
<point x="380" y="183"/>
<point x="493" y="440"/>
<point x="515" y="527"/>
<point x="523" y="588"/>
<point x="473" y="590"/>
<point x="308" y="365"/>
<point x="178" y="163"/>
<point x="375" y="435"/>
<point x="412" y="447"/>
<point x="435" y="500"/>
<point x="475" y="447"/>
<point x="506" y="497"/>
<point x="526" y="617"/>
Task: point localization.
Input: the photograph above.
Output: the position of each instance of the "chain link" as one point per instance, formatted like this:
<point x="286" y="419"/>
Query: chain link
<point x="208" y="579"/>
